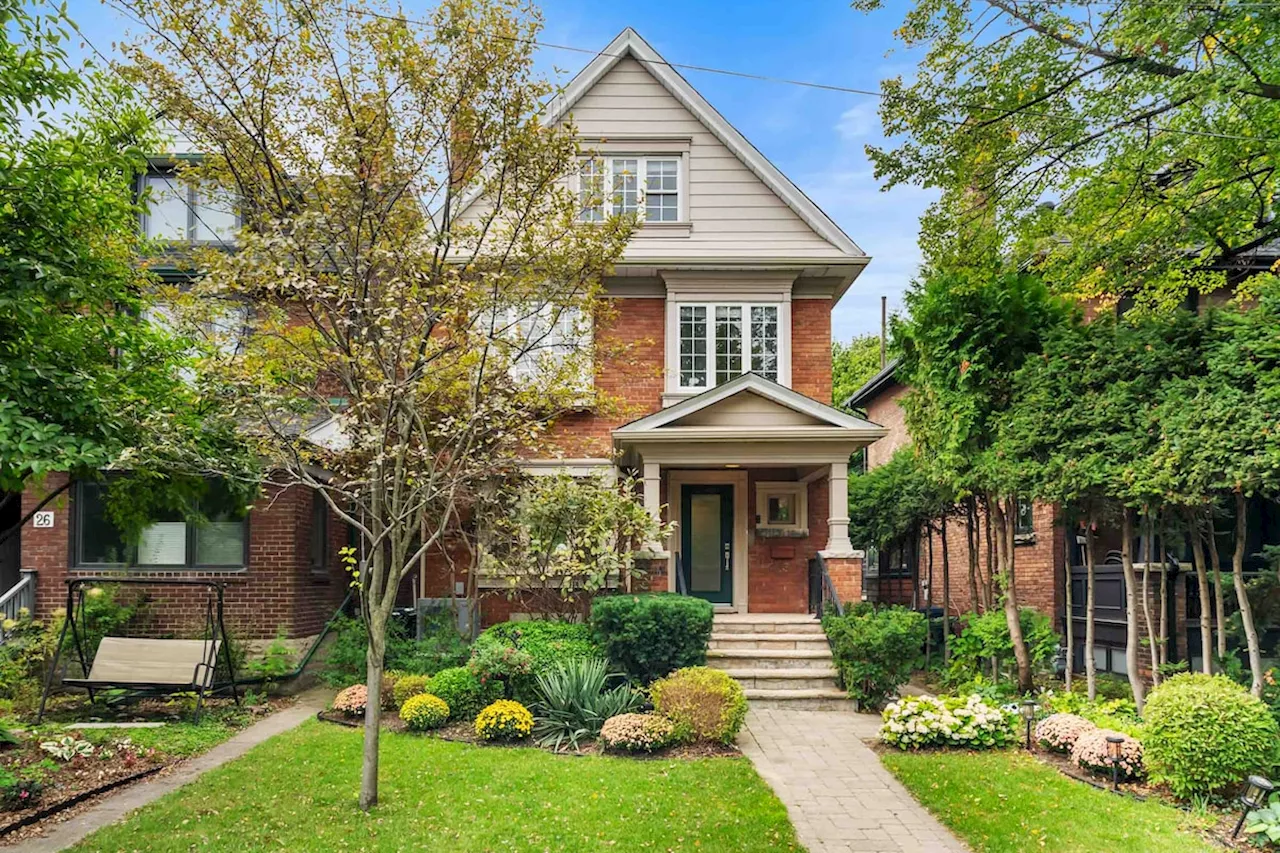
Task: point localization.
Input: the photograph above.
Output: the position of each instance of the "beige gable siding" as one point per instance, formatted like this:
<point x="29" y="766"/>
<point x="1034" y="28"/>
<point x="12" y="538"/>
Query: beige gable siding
<point x="734" y="214"/>
<point x="747" y="409"/>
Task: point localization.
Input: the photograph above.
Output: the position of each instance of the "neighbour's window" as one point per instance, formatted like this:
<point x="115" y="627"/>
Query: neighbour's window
<point x="318" y="552"/>
<point x="168" y="541"/>
<point x="743" y="338"/>
<point x="1025" y="524"/>
<point x="646" y="186"/>
<point x="181" y="213"/>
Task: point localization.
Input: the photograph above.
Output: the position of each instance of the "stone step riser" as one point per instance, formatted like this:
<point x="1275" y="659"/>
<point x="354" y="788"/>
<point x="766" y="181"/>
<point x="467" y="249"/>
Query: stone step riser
<point x="778" y="664"/>
<point x="801" y="704"/>
<point x="757" y="641"/>
<point x="719" y="627"/>
<point x="762" y="683"/>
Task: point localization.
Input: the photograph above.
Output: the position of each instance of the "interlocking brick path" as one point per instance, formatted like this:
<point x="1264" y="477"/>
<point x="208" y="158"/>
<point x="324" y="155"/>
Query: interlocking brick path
<point x="839" y="796"/>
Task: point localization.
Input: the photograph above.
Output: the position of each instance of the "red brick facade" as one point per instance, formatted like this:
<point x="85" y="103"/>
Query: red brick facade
<point x="811" y="348"/>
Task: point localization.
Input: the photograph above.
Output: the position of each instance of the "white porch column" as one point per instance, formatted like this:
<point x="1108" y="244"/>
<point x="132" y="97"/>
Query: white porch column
<point x="653" y="502"/>
<point x="838" y="544"/>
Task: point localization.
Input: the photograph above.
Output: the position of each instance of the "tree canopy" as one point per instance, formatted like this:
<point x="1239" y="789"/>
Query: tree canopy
<point x="852" y="364"/>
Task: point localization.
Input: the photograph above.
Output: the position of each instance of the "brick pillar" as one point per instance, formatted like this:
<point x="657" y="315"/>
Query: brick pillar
<point x="846" y="576"/>
<point x="47" y="550"/>
<point x="657" y="574"/>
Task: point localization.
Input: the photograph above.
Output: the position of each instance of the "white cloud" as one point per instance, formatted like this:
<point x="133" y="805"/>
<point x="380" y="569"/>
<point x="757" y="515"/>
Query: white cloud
<point x="858" y="122"/>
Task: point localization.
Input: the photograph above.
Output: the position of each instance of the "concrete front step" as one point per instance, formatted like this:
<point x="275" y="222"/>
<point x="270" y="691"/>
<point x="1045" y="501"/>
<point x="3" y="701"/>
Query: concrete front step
<point x="772" y="659"/>
<point x="828" y="699"/>
<point x="807" y="641"/>
<point x="815" y="678"/>
<point x="766" y="623"/>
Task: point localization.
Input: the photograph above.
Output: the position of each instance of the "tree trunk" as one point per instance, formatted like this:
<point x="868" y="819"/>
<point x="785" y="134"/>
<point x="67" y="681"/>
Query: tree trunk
<point x="989" y="588"/>
<point x="1246" y="609"/>
<point x="1202" y="581"/>
<point x="1090" y="561"/>
<point x="1219" y="606"/>
<point x="946" y="595"/>
<point x="1131" y="610"/>
<point x="1148" y="549"/>
<point x="372" y="712"/>
<point x="1069" y="621"/>
<point x="1164" y="598"/>
<point x="1004" y="522"/>
<point x="971" y="541"/>
<point x="928" y="602"/>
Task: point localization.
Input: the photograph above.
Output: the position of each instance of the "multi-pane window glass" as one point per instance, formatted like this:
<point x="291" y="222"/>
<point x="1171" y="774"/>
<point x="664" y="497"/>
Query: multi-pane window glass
<point x="648" y="187"/>
<point x="693" y="346"/>
<point x="591" y="189"/>
<point x="168" y="541"/>
<point x="179" y="213"/>
<point x="1026" y="521"/>
<point x="661" y="190"/>
<point x="542" y="339"/>
<point x="742" y="338"/>
<point x="728" y="342"/>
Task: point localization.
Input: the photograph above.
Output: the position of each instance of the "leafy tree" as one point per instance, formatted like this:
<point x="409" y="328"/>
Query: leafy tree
<point x="966" y="334"/>
<point x="852" y="364"/>
<point x="1153" y="123"/>
<point x="400" y="356"/>
<point x="87" y="380"/>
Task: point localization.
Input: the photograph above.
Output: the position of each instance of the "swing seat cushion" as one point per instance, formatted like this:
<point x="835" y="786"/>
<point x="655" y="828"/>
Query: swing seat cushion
<point x="125" y="662"/>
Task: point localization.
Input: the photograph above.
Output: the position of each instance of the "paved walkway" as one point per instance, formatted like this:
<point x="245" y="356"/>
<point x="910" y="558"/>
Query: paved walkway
<point x="839" y="796"/>
<point x="115" y="806"/>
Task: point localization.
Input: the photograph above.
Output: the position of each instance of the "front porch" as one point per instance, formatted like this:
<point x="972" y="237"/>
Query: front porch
<point x="754" y="477"/>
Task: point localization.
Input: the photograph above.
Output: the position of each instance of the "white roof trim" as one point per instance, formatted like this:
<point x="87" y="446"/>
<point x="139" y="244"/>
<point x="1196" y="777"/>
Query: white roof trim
<point x="629" y="43"/>
<point x="751" y="382"/>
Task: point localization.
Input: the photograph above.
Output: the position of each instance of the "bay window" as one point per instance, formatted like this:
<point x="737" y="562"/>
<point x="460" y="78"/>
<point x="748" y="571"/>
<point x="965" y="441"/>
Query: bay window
<point x="648" y="187"/>
<point x="719" y="342"/>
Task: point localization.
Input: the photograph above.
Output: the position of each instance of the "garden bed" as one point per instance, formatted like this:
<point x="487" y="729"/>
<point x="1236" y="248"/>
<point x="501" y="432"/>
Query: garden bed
<point x="113" y="757"/>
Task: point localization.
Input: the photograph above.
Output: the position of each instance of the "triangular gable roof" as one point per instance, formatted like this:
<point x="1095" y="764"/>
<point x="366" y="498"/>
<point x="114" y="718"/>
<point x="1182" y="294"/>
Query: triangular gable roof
<point x="828" y="416"/>
<point x="628" y="43"/>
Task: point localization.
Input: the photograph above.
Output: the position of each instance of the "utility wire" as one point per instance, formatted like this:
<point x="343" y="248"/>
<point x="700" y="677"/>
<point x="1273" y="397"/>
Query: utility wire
<point x="804" y="83"/>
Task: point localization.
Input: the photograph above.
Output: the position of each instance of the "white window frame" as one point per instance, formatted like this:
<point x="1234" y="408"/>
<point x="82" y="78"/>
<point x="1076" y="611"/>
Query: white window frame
<point x="525" y="367"/>
<point x="799" y="493"/>
<point x="608" y="208"/>
<point x="782" y="354"/>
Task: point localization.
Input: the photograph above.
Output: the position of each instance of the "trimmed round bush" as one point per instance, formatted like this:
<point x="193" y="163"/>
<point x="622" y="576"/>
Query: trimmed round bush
<point x="1205" y="733"/>
<point x="1092" y="752"/>
<point x="636" y="732"/>
<point x="516" y="653"/>
<point x="649" y="636"/>
<point x="351" y="700"/>
<point x="422" y="712"/>
<point x="1059" y="732"/>
<point x="701" y="703"/>
<point x="504" y="720"/>
<point x="407" y="686"/>
<point x="462" y="692"/>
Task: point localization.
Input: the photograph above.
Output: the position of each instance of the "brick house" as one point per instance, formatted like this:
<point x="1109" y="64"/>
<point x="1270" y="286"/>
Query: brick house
<point x="722" y="306"/>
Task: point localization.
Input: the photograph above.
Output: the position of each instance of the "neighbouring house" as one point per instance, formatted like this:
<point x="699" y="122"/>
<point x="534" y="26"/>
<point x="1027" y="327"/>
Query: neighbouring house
<point x="722" y="304"/>
<point x="908" y="571"/>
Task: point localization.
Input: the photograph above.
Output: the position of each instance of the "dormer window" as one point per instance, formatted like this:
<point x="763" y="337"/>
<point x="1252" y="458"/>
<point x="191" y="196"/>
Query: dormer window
<point x="180" y="213"/>
<point x="648" y="187"/>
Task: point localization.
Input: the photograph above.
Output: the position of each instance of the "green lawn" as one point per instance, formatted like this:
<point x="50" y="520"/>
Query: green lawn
<point x="1009" y="801"/>
<point x="298" y="792"/>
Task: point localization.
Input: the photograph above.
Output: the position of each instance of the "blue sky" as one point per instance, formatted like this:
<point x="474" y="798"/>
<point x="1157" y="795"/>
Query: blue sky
<point x="816" y="137"/>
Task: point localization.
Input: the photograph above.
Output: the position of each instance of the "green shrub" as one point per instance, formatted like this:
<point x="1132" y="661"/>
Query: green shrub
<point x="636" y="732"/>
<point x="408" y="686"/>
<point x="967" y="722"/>
<point x="462" y="692"/>
<point x="275" y="662"/>
<point x="702" y="704"/>
<point x="538" y="645"/>
<point x="27" y="649"/>
<point x="1204" y="734"/>
<point x="986" y="636"/>
<point x="574" y="701"/>
<point x="649" y="636"/>
<point x="345" y="661"/>
<point x="504" y="720"/>
<point x="422" y="712"/>
<point x="875" y="651"/>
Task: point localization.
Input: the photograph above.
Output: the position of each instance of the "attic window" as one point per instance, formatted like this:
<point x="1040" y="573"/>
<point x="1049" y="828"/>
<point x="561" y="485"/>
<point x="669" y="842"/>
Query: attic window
<point x="648" y="187"/>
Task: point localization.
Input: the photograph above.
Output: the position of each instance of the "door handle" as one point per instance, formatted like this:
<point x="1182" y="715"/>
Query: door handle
<point x="727" y="556"/>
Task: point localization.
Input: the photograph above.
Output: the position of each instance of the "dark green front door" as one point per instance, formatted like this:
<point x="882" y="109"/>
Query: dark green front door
<point x="706" y="541"/>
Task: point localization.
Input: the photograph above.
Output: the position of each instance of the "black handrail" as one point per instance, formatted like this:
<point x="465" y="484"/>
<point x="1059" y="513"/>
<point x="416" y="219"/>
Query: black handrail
<point x="822" y="590"/>
<point x="681" y="586"/>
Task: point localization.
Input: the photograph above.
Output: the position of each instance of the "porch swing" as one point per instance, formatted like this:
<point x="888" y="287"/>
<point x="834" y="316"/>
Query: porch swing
<point x="142" y="666"/>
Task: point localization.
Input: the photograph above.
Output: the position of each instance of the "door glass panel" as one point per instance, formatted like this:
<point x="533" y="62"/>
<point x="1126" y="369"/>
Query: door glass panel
<point x="704" y="543"/>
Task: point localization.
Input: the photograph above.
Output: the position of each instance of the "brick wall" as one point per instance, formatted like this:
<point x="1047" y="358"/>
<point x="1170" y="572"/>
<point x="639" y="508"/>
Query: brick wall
<point x="629" y="378"/>
<point x="778" y="567"/>
<point x="277" y="591"/>
<point x="886" y="410"/>
<point x="811" y="348"/>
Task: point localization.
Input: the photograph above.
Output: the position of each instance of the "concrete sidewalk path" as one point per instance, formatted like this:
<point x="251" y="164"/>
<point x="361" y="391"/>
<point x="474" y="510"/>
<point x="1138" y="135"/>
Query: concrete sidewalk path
<point x="839" y="796"/>
<point x="116" y="806"/>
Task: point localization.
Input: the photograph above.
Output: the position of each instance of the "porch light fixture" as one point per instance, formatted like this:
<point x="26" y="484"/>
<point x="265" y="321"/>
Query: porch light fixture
<point x="1254" y="796"/>
<point x="1028" y="712"/>
<point x="1114" y="744"/>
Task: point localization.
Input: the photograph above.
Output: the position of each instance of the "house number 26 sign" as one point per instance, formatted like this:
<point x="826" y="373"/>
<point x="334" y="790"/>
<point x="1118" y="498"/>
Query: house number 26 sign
<point x="44" y="518"/>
